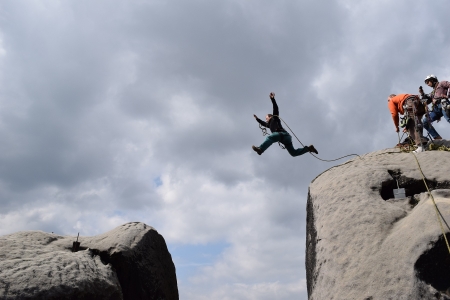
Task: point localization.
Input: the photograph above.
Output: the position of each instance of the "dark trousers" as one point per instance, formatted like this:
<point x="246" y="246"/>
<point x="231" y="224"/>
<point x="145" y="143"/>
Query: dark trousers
<point x="284" y="138"/>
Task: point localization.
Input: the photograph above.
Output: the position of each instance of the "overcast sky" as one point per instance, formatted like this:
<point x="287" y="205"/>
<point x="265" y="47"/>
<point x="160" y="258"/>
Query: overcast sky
<point x="117" y="111"/>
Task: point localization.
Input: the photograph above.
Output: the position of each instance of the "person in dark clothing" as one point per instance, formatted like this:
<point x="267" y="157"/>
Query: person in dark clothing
<point x="279" y="134"/>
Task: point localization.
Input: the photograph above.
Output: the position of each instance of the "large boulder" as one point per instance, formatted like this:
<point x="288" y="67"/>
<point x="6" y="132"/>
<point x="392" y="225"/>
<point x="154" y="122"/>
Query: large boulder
<point x="364" y="244"/>
<point x="128" y="262"/>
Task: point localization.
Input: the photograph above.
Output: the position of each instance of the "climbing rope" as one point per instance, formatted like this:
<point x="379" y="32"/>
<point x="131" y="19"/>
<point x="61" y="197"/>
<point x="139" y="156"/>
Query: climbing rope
<point x="439" y="215"/>
<point x="437" y="147"/>
<point x="263" y="129"/>
<point x="329" y="160"/>
<point x="408" y="147"/>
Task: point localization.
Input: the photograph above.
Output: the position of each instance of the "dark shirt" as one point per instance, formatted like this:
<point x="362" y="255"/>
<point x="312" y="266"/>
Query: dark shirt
<point x="274" y="123"/>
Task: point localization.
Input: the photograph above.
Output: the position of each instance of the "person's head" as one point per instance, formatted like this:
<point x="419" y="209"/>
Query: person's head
<point x="391" y="96"/>
<point x="268" y="117"/>
<point x="431" y="80"/>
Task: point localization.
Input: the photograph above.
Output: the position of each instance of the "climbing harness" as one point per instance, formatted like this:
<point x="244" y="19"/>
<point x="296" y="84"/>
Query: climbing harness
<point x="264" y="130"/>
<point x="404" y="121"/>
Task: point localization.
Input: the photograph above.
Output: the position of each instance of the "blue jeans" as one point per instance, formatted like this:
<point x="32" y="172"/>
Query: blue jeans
<point x="284" y="138"/>
<point x="435" y="115"/>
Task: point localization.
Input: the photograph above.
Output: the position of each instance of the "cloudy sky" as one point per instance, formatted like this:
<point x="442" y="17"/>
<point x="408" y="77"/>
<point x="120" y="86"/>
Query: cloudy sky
<point x="117" y="111"/>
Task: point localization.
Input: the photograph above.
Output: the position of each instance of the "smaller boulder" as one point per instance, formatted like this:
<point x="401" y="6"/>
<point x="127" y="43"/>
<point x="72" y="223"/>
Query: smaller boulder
<point x="129" y="262"/>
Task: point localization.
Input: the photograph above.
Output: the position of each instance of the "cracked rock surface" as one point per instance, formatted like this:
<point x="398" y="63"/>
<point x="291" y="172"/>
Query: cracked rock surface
<point x="361" y="244"/>
<point x="128" y="262"/>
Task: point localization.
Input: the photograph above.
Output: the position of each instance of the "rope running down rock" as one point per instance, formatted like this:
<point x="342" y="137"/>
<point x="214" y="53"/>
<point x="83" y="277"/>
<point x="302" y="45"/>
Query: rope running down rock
<point x="438" y="212"/>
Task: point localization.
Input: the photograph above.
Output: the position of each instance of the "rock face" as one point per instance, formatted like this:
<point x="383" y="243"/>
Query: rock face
<point x="128" y="262"/>
<point x="363" y="244"/>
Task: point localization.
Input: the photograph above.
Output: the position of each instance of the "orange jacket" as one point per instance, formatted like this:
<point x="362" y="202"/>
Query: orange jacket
<point x="395" y="105"/>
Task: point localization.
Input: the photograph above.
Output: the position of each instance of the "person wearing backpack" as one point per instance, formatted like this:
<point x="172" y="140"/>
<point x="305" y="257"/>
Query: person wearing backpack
<point x="440" y="103"/>
<point x="278" y="134"/>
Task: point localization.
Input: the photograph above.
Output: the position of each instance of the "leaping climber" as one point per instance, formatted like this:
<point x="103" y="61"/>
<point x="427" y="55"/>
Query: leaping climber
<point x="279" y="134"/>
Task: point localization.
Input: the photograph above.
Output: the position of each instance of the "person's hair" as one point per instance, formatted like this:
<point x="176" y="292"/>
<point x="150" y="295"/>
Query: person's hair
<point x="392" y="95"/>
<point x="270" y="115"/>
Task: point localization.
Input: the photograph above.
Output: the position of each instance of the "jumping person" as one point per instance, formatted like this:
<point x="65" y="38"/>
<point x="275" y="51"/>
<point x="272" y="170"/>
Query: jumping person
<point x="279" y="134"/>
<point x="440" y="107"/>
<point x="409" y="105"/>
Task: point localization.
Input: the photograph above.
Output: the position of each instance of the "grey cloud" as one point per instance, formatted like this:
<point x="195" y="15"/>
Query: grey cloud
<point x="97" y="99"/>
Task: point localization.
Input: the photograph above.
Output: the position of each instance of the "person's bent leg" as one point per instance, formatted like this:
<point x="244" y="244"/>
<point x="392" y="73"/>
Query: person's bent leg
<point x="418" y="112"/>
<point x="427" y="125"/>
<point x="270" y="139"/>
<point x="287" y="142"/>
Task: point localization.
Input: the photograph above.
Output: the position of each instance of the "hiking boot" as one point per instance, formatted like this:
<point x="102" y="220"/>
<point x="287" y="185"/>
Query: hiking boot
<point x="257" y="150"/>
<point x="312" y="149"/>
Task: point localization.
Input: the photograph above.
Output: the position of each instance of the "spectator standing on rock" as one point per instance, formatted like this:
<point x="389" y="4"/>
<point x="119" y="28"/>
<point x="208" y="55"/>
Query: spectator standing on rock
<point x="278" y="133"/>
<point x="413" y="109"/>
<point x="440" y="104"/>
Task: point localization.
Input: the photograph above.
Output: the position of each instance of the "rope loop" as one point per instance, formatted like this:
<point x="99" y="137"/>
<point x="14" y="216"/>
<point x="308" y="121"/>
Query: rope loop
<point x="327" y="160"/>
<point x="264" y="132"/>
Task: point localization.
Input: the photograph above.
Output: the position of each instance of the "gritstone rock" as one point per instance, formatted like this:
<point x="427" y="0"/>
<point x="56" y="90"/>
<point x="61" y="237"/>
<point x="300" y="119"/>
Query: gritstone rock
<point x="364" y="244"/>
<point x="128" y="262"/>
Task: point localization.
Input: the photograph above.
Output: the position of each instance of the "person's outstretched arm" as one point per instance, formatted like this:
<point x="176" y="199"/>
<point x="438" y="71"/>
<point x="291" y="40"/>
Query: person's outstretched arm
<point x="426" y="99"/>
<point x="260" y="121"/>
<point x="275" y="106"/>
<point x="394" y="112"/>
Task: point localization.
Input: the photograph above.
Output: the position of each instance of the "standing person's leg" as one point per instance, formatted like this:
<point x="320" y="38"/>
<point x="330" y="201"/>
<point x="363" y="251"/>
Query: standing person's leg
<point x="287" y="142"/>
<point x="416" y="111"/>
<point x="420" y="127"/>
<point x="420" y="112"/>
<point x="412" y="131"/>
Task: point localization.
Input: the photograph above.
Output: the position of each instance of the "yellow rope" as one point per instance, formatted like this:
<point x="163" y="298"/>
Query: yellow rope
<point x="437" y="147"/>
<point x="434" y="202"/>
<point x="429" y="193"/>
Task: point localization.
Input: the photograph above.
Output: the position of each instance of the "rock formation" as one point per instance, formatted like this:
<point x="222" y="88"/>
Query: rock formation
<point x="363" y="244"/>
<point x="128" y="262"/>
